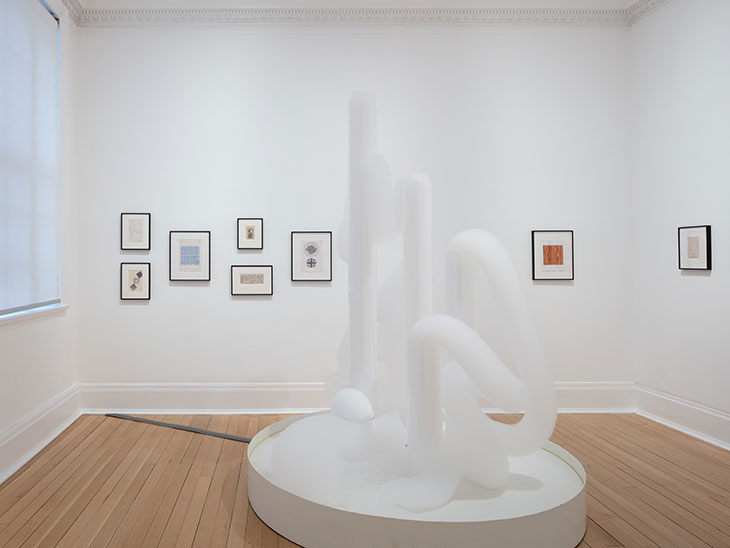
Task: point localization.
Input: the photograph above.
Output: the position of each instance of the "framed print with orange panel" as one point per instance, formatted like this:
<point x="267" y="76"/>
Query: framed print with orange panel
<point x="552" y="255"/>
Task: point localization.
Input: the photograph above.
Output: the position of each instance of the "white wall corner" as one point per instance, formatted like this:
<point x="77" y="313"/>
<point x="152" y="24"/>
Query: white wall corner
<point x="695" y="419"/>
<point x="25" y="438"/>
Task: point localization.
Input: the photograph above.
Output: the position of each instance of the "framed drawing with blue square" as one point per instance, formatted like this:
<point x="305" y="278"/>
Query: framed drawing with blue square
<point x="311" y="256"/>
<point x="252" y="279"/>
<point x="190" y="255"/>
<point x="134" y="282"/>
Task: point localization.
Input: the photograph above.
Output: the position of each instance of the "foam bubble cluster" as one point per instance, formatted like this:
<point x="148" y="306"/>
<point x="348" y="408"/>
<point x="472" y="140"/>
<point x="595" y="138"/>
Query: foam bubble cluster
<point x="356" y="464"/>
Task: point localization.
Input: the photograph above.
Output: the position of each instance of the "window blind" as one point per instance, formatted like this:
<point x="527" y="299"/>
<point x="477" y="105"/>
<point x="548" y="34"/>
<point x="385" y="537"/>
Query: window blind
<point x="29" y="151"/>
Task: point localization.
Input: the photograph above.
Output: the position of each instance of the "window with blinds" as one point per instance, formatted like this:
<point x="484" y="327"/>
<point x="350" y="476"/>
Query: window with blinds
<point x="29" y="157"/>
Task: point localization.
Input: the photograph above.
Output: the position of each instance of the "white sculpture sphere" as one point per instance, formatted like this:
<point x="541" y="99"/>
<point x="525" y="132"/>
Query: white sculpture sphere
<point x="352" y="405"/>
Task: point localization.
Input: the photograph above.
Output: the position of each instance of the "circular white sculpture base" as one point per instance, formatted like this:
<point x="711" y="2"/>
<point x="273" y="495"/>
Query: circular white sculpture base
<point x="543" y="504"/>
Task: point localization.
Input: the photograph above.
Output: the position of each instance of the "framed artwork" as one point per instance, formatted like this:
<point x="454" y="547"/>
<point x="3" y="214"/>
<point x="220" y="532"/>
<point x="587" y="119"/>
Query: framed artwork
<point x="695" y="247"/>
<point x="252" y="279"/>
<point x="311" y="256"/>
<point x="190" y="255"/>
<point x="552" y="255"/>
<point x="135" y="231"/>
<point x="134" y="282"/>
<point x="250" y="233"/>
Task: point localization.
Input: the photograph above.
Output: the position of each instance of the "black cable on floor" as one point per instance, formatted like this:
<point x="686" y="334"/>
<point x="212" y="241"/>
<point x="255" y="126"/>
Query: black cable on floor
<point x="180" y="427"/>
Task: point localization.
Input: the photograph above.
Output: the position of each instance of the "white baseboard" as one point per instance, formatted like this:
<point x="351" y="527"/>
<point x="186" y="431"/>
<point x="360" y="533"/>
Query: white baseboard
<point x="284" y="397"/>
<point x="595" y="397"/>
<point x="589" y="397"/>
<point x="695" y="419"/>
<point x="203" y="398"/>
<point x="25" y="438"/>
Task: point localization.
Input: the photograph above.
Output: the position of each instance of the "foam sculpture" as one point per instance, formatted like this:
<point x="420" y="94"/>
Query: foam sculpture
<point x="409" y="428"/>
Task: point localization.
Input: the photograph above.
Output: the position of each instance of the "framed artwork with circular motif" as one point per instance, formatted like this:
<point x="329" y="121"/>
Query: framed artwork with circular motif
<point x="311" y="256"/>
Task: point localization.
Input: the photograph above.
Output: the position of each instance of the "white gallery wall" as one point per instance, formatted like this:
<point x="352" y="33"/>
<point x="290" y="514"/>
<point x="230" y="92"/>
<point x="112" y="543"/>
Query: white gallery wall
<point x="518" y="129"/>
<point x="38" y="352"/>
<point x="681" y="176"/>
<point x="619" y="134"/>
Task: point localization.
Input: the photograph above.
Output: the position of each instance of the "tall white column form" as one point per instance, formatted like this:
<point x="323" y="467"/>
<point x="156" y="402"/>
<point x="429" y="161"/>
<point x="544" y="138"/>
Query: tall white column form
<point x="424" y="376"/>
<point x="362" y="272"/>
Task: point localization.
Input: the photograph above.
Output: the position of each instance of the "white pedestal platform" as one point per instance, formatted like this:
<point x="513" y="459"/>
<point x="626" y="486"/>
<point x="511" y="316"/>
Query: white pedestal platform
<point x="543" y="504"/>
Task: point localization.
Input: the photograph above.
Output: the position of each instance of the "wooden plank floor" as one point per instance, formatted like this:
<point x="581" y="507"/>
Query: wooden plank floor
<point x="109" y="482"/>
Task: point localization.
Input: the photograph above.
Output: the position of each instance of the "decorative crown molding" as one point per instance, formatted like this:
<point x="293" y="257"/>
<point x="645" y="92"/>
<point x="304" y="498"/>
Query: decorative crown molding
<point x="75" y="10"/>
<point x="641" y="9"/>
<point x="400" y="16"/>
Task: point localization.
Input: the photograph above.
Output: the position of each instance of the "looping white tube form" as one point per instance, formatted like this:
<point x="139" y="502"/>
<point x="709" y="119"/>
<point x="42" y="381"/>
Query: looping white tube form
<point x="478" y="248"/>
<point x="532" y="390"/>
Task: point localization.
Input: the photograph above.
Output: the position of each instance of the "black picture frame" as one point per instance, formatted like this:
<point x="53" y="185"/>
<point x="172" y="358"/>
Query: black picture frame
<point x="125" y="245"/>
<point x="549" y="271"/>
<point x="253" y="267"/>
<point x="124" y="267"/>
<point x="256" y="220"/>
<point x="179" y="277"/>
<point x="297" y="275"/>
<point x="686" y="252"/>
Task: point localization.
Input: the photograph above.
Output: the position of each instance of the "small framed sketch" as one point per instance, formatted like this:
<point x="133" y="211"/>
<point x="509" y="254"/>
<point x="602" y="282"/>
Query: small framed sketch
<point x="135" y="231"/>
<point x="695" y="248"/>
<point x="552" y="255"/>
<point x="252" y="279"/>
<point x="135" y="282"/>
<point x="190" y="255"/>
<point x="311" y="256"/>
<point x="250" y="233"/>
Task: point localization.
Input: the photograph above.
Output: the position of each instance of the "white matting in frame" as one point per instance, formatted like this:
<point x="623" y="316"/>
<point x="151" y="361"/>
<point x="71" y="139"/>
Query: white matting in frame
<point x="552" y="255"/>
<point x="135" y="231"/>
<point x="695" y="247"/>
<point x="250" y="233"/>
<point x="252" y="279"/>
<point x="134" y="282"/>
<point x="190" y="255"/>
<point x="311" y="256"/>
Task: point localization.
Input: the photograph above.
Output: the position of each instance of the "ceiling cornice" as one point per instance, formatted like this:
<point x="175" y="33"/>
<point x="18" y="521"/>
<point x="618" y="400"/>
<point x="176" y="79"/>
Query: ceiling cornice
<point x="641" y="9"/>
<point x="622" y="17"/>
<point x="75" y="10"/>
